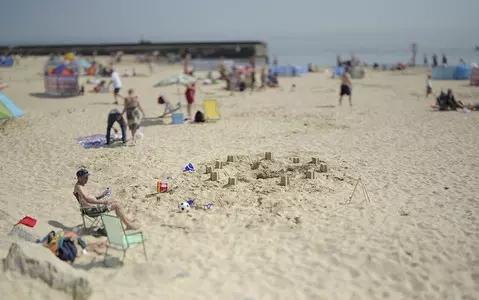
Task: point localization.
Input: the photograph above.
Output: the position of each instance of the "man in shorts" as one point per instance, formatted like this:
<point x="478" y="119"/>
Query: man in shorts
<point x="346" y="87"/>
<point x="92" y="204"/>
<point x="115" y="79"/>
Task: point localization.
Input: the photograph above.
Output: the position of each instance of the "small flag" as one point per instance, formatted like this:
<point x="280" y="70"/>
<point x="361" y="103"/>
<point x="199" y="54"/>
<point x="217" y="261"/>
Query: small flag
<point x="28" y="221"/>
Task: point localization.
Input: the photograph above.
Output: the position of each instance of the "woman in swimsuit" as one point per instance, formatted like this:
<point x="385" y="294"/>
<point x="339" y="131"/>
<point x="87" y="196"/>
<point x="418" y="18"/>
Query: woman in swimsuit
<point x="132" y="108"/>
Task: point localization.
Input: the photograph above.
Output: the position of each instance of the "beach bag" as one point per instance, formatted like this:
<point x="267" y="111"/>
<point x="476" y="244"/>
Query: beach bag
<point x="68" y="251"/>
<point x="62" y="244"/>
<point x="199" y="117"/>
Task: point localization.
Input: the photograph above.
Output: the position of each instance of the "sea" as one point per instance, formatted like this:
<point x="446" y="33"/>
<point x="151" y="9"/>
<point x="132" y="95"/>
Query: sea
<point x="320" y="53"/>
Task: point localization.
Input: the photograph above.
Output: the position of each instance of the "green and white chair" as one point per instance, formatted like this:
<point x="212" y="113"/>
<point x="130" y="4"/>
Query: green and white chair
<point x="118" y="238"/>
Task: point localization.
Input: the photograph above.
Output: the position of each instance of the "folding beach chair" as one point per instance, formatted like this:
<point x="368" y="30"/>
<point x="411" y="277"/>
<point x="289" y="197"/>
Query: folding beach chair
<point x="92" y="218"/>
<point x="118" y="238"/>
<point x="211" y="110"/>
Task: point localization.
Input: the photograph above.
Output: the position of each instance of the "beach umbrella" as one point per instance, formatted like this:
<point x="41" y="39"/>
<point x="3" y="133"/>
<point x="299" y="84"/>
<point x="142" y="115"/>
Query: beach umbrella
<point x="83" y="63"/>
<point x="8" y="109"/>
<point x="181" y="79"/>
<point x="69" y="56"/>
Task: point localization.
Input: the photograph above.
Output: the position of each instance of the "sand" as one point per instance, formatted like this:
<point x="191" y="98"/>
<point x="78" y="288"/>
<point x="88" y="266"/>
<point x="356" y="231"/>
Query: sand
<point x="416" y="239"/>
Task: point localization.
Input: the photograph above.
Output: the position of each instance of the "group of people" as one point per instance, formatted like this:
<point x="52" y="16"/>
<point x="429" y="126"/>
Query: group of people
<point x="243" y="78"/>
<point x="435" y="60"/>
<point x="131" y="107"/>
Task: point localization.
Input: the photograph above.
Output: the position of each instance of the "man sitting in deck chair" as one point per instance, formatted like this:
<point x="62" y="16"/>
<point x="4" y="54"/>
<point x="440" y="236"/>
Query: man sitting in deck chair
<point x="168" y="107"/>
<point x="92" y="205"/>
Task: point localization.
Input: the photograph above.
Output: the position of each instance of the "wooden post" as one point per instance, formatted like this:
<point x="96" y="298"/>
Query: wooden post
<point x="230" y="158"/>
<point x="214" y="176"/>
<point x="268" y="156"/>
<point x="310" y="175"/>
<point x="209" y="170"/>
<point x="323" y="168"/>
<point x="295" y="160"/>
<point x="219" y="165"/>
<point x="315" y="161"/>
<point x="284" y="181"/>
<point x="232" y="181"/>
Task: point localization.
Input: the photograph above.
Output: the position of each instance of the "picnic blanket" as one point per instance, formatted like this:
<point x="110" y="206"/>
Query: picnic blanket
<point x="95" y="141"/>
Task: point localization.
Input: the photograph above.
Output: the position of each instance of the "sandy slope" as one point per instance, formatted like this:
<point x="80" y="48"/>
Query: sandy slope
<point x="416" y="239"/>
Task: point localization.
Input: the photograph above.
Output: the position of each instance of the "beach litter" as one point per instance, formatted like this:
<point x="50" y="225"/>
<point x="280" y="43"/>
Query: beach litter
<point x="183" y="272"/>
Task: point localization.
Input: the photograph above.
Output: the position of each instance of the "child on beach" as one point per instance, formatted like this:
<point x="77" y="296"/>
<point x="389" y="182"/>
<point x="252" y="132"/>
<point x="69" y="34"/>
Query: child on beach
<point x="429" y="86"/>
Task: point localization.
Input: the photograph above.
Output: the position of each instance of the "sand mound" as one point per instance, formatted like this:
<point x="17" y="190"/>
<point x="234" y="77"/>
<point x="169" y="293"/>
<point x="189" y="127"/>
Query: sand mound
<point x="257" y="179"/>
<point x="29" y="266"/>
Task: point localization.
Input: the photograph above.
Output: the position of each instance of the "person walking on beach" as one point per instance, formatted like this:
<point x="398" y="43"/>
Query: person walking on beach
<point x="429" y="86"/>
<point x="115" y="116"/>
<point x="346" y="87"/>
<point x="93" y="205"/>
<point x="115" y="79"/>
<point x="190" y="99"/>
<point x="444" y="60"/>
<point x="434" y="60"/>
<point x="132" y="107"/>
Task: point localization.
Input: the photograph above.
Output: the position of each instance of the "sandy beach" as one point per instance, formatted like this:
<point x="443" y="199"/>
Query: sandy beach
<point x="417" y="237"/>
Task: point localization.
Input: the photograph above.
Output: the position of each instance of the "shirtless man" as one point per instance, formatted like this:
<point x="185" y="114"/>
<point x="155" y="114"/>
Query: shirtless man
<point x="346" y="87"/>
<point x="92" y="203"/>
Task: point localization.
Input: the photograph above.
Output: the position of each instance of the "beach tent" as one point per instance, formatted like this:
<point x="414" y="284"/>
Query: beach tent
<point x="289" y="70"/>
<point x="7" y="61"/>
<point x="59" y="67"/>
<point x="63" y="81"/>
<point x="62" y="70"/>
<point x="8" y="109"/>
<point x="475" y="77"/>
<point x="460" y="72"/>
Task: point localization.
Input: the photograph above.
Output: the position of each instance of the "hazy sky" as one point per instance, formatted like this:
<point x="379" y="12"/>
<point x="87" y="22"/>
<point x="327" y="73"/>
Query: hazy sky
<point x="51" y="21"/>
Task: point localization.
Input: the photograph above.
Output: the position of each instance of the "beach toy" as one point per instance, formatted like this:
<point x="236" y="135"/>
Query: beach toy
<point x="191" y="202"/>
<point x="184" y="206"/>
<point x="189" y="167"/>
<point x="208" y="206"/>
<point x="161" y="187"/>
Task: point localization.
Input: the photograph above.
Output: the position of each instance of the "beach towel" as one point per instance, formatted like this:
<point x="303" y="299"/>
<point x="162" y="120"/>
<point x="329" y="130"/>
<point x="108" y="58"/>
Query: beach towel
<point x="94" y="141"/>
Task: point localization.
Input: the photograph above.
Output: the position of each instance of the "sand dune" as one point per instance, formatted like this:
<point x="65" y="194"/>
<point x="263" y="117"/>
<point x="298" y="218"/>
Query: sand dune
<point x="416" y="239"/>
